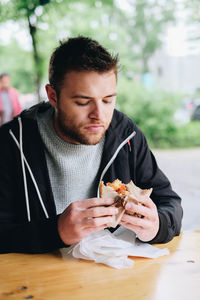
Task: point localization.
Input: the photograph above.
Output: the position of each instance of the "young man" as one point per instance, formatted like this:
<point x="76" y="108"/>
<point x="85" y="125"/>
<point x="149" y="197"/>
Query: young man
<point x="9" y="100"/>
<point x="54" y="155"/>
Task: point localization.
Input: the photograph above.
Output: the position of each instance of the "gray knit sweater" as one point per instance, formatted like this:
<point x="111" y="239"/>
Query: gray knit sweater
<point x="73" y="169"/>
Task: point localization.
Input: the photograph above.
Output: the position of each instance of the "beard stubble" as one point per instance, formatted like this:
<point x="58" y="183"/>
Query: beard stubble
<point x="69" y="130"/>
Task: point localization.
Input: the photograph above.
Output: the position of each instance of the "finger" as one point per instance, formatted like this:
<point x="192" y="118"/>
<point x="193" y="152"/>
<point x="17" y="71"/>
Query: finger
<point x="139" y="231"/>
<point x="144" y="200"/>
<point x="93" y="229"/>
<point x="99" y="212"/>
<point x="132" y="227"/>
<point x="96" y="222"/>
<point x="93" y="202"/>
<point x="144" y="235"/>
<point x="139" y="209"/>
<point x="141" y="222"/>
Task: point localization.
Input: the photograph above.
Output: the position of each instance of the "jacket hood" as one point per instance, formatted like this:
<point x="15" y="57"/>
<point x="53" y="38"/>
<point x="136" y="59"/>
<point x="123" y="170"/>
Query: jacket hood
<point x="31" y="113"/>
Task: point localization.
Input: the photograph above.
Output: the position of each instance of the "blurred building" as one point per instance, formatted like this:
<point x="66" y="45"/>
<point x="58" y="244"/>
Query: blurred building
<point x="176" y="73"/>
<point x="176" y="66"/>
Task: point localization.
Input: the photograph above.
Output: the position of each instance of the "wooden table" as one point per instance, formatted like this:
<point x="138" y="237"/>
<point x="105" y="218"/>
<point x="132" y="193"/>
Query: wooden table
<point x="50" y="276"/>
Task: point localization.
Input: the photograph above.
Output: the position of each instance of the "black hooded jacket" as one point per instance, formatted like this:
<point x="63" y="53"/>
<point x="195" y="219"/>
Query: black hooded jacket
<point x="28" y="220"/>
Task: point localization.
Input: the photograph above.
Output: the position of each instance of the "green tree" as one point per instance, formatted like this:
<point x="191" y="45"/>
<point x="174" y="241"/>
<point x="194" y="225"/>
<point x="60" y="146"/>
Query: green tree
<point x="30" y="10"/>
<point x="34" y="11"/>
<point x="12" y="59"/>
<point x="135" y="35"/>
<point x="193" y="10"/>
<point x="146" y="21"/>
<point x="193" y="18"/>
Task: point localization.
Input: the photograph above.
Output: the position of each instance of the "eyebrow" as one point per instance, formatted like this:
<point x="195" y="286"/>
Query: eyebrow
<point x="88" y="97"/>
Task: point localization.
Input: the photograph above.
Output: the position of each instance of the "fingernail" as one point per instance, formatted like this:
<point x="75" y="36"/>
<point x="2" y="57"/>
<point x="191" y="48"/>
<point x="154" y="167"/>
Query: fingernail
<point x="116" y="210"/>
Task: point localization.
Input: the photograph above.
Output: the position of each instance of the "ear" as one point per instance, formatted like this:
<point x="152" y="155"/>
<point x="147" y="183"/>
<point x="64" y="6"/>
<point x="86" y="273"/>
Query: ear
<point x="51" y="94"/>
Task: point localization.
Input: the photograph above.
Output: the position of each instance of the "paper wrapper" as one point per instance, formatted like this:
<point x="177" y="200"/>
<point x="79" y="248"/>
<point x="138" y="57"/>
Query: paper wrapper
<point x="113" y="249"/>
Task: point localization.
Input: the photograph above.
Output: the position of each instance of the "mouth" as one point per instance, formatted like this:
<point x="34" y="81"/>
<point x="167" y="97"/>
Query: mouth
<point x="94" y="128"/>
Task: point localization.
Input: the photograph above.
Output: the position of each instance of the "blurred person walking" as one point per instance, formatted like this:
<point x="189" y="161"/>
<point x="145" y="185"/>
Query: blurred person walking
<point x="9" y="100"/>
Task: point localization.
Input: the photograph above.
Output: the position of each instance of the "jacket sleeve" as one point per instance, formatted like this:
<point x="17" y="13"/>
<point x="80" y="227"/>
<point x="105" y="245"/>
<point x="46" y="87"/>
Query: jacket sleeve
<point x="30" y="237"/>
<point x="168" y="203"/>
<point x="16" y="233"/>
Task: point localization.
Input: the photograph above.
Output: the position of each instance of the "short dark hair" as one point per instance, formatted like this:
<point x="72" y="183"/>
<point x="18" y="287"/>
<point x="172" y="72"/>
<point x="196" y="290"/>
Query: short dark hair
<point x="79" y="54"/>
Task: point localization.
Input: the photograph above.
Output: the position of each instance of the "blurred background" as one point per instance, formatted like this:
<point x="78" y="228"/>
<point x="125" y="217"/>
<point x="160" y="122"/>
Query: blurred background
<point x="158" y="42"/>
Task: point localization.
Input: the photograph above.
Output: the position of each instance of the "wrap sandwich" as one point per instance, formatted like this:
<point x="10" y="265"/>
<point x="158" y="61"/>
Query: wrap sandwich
<point x="122" y="193"/>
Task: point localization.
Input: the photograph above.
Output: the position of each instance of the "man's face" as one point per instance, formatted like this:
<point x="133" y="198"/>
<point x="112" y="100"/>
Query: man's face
<point x="5" y="82"/>
<point x="85" y="106"/>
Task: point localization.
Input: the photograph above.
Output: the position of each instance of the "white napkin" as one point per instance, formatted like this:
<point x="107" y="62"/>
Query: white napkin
<point x="113" y="249"/>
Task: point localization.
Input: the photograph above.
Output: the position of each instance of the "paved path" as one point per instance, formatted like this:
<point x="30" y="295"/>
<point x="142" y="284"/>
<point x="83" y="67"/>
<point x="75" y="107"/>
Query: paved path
<point x="182" y="167"/>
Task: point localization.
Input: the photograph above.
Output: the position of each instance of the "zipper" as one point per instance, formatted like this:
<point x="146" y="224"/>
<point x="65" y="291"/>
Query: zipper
<point x="113" y="158"/>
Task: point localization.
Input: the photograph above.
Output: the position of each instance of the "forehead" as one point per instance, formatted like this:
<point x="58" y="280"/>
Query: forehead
<point x="89" y="80"/>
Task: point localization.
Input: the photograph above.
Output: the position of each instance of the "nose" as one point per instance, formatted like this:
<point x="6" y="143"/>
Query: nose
<point x="96" y="110"/>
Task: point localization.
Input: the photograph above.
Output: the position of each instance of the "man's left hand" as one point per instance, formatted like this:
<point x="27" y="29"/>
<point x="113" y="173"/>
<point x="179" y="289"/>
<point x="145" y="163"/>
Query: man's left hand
<point x="146" y="227"/>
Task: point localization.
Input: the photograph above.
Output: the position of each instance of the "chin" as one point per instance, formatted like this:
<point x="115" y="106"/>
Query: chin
<point x="92" y="140"/>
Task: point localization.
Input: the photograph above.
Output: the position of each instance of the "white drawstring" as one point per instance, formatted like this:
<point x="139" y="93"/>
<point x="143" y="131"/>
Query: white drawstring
<point x="23" y="170"/>
<point x="113" y="158"/>
<point x="23" y="159"/>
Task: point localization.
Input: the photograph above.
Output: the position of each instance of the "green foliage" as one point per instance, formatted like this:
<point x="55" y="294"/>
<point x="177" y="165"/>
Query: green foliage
<point x="34" y="12"/>
<point x="19" y="64"/>
<point x="188" y="135"/>
<point x="193" y="18"/>
<point x="153" y="111"/>
<point x="193" y="7"/>
<point x="134" y="34"/>
<point x="144" y="25"/>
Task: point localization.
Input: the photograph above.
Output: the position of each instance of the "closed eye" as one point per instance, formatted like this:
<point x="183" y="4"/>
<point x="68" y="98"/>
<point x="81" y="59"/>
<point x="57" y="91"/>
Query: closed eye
<point x="109" y="99"/>
<point x="82" y="100"/>
<point x="82" y="104"/>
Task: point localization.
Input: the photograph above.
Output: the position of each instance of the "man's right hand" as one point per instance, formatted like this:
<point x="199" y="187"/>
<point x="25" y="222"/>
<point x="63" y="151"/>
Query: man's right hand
<point x="83" y="217"/>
